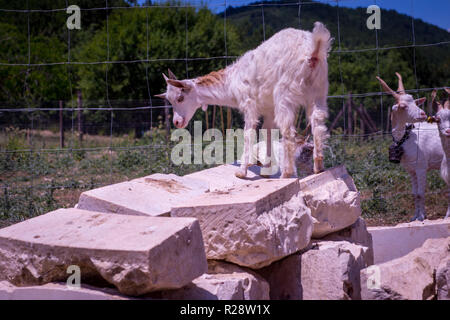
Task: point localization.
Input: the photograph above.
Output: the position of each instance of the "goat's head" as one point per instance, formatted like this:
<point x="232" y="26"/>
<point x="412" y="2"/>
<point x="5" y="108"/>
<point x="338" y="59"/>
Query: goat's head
<point x="442" y="117"/>
<point x="182" y="95"/>
<point x="406" y="108"/>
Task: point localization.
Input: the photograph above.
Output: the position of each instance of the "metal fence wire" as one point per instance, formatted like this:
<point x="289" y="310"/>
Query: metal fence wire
<point x="51" y="150"/>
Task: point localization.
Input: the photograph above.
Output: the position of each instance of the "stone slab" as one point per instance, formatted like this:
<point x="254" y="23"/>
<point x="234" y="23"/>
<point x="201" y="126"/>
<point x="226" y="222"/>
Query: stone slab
<point x="410" y="277"/>
<point x="443" y="280"/>
<point x="136" y="254"/>
<point x="224" y="281"/>
<point x="222" y="177"/>
<point x="251" y="225"/>
<point x="392" y="242"/>
<point x="333" y="200"/>
<point x="357" y="233"/>
<point x="150" y="196"/>
<point x="328" y="270"/>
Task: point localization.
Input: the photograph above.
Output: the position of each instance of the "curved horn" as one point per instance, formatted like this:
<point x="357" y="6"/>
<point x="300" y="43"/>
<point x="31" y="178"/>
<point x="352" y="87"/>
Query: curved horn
<point x="171" y="75"/>
<point x="433" y="96"/>
<point x="162" y="95"/>
<point x="387" y="89"/>
<point x="401" y="88"/>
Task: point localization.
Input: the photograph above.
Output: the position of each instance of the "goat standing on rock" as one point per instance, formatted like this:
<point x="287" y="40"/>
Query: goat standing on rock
<point x="285" y="72"/>
<point x="421" y="145"/>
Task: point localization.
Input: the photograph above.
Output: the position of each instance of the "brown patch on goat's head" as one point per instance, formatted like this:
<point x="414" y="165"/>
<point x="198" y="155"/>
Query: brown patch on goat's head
<point x="211" y="78"/>
<point x="313" y="61"/>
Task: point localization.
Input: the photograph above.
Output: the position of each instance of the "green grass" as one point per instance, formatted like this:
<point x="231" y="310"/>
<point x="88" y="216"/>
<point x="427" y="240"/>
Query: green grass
<point x="33" y="183"/>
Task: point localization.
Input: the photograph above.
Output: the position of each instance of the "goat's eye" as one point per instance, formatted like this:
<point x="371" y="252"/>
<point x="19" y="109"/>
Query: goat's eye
<point x="180" y="99"/>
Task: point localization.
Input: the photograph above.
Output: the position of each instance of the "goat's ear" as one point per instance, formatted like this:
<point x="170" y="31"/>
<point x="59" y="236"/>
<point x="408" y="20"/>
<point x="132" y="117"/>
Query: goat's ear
<point x="179" y="84"/>
<point x="162" y="95"/>
<point x="204" y="107"/>
<point x="420" y="101"/>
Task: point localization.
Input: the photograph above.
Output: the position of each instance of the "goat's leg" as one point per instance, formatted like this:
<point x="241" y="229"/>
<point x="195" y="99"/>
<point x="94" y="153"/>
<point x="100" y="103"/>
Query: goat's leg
<point x="267" y="165"/>
<point x="420" y="197"/>
<point x="284" y="118"/>
<point x="319" y="131"/>
<point x="249" y="139"/>
<point x="447" y="215"/>
<point x="445" y="174"/>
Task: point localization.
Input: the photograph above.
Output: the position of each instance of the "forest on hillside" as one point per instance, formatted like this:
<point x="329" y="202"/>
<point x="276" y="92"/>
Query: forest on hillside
<point x="117" y="57"/>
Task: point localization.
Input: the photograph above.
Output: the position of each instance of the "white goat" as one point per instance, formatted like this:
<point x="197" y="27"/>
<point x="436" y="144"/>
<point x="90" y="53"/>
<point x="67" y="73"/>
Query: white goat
<point x="442" y="118"/>
<point x="285" y="72"/>
<point x="422" y="149"/>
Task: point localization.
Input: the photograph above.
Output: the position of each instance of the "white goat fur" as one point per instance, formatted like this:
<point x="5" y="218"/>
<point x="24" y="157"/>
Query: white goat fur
<point x="285" y="72"/>
<point x="443" y="119"/>
<point x="422" y="150"/>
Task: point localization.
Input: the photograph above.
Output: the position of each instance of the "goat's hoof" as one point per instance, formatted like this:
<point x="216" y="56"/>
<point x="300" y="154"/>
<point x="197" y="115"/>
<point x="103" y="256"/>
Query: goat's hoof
<point x="418" y="218"/>
<point x="287" y="175"/>
<point x="318" y="165"/>
<point x="241" y="174"/>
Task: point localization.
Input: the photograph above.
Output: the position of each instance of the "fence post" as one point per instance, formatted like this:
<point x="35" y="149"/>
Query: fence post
<point x="206" y="119"/>
<point x="167" y="121"/>
<point x="80" y="126"/>
<point x="222" y="122"/>
<point x="388" y="120"/>
<point x="349" y="115"/>
<point x="61" y="125"/>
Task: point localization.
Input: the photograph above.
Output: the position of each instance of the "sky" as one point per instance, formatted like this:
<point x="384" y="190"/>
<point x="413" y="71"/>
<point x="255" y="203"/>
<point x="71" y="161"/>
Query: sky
<point x="436" y="12"/>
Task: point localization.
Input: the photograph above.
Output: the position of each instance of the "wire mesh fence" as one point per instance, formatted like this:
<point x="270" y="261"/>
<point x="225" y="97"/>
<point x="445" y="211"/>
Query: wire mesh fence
<point x="82" y="114"/>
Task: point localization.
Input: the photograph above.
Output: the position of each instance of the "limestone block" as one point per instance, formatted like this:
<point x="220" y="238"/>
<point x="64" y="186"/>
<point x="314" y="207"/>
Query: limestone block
<point x="251" y="225"/>
<point x="224" y="281"/>
<point x="329" y="270"/>
<point x="357" y="233"/>
<point x="393" y="242"/>
<point x="333" y="200"/>
<point x="411" y="277"/>
<point x="222" y="177"/>
<point x="150" y="196"/>
<point x="443" y="280"/>
<point x="136" y="254"/>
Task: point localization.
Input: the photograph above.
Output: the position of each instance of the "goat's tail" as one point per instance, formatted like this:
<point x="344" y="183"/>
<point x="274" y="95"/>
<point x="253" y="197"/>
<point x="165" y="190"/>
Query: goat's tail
<point x="322" y="42"/>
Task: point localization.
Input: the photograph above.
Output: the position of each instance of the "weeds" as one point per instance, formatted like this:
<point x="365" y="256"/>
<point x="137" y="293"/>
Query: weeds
<point x="33" y="183"/>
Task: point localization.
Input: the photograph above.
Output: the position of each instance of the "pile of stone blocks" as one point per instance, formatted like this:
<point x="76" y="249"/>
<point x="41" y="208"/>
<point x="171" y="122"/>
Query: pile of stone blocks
<point x="422" y="274"/>
<point x="207" y="235"/>
<point x="411" y="262"/>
